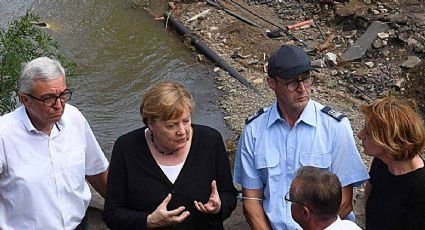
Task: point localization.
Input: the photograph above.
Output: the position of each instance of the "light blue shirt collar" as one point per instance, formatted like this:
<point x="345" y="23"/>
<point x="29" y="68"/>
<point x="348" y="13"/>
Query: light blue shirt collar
<point x="308" y="115"/>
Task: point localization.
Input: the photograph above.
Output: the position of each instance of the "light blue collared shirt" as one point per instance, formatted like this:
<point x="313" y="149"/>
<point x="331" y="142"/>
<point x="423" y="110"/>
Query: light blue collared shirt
<point x="270" y="152"/>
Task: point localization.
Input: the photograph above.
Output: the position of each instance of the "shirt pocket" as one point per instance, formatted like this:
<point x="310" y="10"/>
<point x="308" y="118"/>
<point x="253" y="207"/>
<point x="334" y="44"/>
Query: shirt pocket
<point x="319" y="160"/>
<point x="76" y="169"/>
<point x="267" y="165"/>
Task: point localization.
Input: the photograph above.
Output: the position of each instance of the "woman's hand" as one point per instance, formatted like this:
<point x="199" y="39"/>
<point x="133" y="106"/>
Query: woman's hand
<point x="161" y="217"/>
<point x="214" y="203"/>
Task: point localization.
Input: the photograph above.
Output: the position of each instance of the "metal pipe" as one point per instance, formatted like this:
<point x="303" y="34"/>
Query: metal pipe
<point x="205" y="50"/>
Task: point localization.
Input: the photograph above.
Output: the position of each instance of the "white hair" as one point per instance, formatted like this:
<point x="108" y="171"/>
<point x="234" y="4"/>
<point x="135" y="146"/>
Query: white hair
<point x="42" y="68"/>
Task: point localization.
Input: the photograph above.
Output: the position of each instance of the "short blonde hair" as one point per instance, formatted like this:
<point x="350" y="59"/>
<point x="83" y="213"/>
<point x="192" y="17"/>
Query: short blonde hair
<point x="395" y="126"/>
<point x="165" y="100"/>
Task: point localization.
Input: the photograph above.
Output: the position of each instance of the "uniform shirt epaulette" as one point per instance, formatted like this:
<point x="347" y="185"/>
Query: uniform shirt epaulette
<point x="335" y="114"/>
<point x="255" y="115"/>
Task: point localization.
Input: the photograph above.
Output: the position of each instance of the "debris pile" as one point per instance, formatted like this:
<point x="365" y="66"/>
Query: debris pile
<point x="366" y="47"/>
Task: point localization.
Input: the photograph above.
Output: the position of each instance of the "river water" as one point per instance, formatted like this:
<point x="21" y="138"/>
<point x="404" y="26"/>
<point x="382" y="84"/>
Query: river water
<point x="120" y="51"/>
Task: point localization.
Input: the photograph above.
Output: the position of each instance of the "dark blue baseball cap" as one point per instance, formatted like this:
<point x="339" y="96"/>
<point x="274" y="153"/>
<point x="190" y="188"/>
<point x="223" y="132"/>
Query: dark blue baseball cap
<point x="287" y="62"/>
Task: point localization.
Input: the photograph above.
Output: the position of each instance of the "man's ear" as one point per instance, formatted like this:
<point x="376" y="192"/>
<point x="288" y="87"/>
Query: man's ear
<point x="24" y="100"/>
<point x="271" y="82"/>
<point x="306" y="213"/>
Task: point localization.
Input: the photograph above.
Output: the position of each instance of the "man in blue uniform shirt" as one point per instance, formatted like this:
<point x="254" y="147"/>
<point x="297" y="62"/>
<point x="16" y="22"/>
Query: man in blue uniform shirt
<point x="295" y="131"/>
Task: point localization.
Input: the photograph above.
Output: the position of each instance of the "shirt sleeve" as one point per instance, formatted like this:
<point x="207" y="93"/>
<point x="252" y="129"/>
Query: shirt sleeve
<point x="245" y="172"/>
<point x="347" y="163"/>
<point x="116" y="214"/>
<point x="95" y="159"/>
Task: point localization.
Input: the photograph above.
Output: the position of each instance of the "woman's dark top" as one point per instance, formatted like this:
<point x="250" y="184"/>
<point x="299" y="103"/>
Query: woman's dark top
<point x="395" y="202"/>
<point x="137" y="185"/>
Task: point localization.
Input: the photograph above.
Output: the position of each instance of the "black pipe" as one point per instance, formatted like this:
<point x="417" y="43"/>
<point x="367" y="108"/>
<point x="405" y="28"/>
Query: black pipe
<point x="205" y="50"/>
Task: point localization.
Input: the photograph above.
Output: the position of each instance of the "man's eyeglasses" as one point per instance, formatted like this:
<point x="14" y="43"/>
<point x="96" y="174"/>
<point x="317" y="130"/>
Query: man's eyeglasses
<point x="294" y="84"/>
<point x="51" y="100"/>
<point x="289" y="200"/>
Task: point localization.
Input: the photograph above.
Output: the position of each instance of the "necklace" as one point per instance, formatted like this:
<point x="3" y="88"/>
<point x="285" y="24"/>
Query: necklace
<point x="157" y="149"/>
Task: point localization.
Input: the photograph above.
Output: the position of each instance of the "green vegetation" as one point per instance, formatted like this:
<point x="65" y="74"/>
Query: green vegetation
<point x="21" y="42"/>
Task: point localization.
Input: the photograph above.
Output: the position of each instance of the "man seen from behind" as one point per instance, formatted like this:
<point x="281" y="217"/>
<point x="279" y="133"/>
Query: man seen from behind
<point x="315" y="198"/>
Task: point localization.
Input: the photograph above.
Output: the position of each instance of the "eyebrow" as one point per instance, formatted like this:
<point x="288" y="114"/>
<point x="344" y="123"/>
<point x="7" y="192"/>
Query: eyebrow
<point x="52" y="94"/>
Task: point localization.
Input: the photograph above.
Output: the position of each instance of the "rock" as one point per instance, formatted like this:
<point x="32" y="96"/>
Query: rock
<point x="404" y="36"/>
<point x="386" y="53"/>
<point x="330" y="59"/>
<point x="415" y="44"/>
<point x="384" y="43"/>
<point x="362" y="71"/>
<point x="216" y="69"/>
<point x="391" y="33"/>
<point x="398" y="18"/>
<point x="398" y="84"/>
<point x="344" y="10"/>
<point x="383" y="35"/>
<point x="375" y="12"/>
<point x="411" y="62"/>
<point x="213" y="28"/>
<point x="377" y="43"/>
<point x="258" y="81"/>
<point x="318" y="63"/>
<point x="369" y="64"/>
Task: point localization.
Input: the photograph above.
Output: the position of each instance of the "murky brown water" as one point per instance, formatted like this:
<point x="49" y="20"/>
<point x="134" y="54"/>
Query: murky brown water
<point x="119" y="52"/>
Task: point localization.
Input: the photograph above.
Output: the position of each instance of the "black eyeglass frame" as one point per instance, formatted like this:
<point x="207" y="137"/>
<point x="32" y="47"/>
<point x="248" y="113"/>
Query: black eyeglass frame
<point x="64" y="97"/>
<point x="303" y="81"/>
<point x="289" y="200"/>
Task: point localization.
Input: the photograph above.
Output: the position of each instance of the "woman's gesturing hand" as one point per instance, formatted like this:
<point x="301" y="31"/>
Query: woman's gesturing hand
<point x="214" y="203"/>
<point x="161" y="217"/>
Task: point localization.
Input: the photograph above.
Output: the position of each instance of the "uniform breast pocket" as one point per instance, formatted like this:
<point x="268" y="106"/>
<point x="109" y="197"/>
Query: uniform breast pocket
<point x="267" y="165"/>
<point x="319" y="160"/>
<point x="76" y="169"/>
